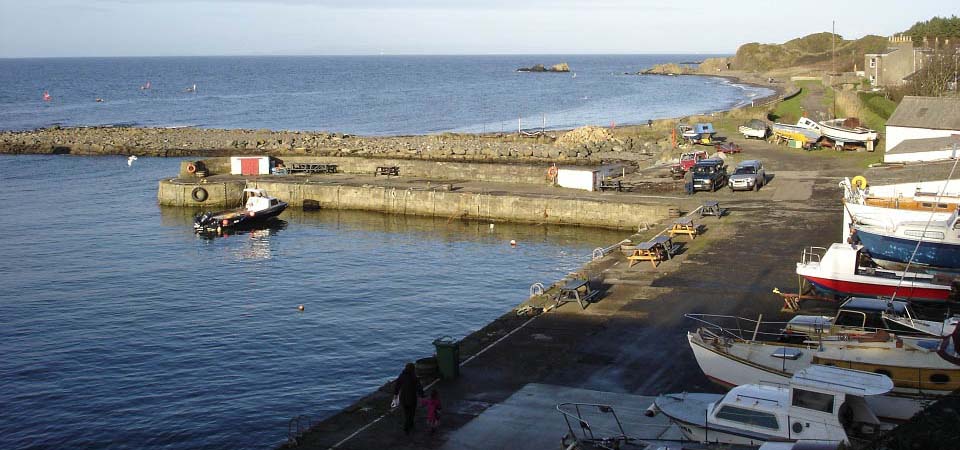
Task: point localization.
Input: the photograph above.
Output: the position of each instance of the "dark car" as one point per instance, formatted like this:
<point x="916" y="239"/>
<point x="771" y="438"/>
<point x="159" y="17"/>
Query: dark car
<point x="709" y="175"/>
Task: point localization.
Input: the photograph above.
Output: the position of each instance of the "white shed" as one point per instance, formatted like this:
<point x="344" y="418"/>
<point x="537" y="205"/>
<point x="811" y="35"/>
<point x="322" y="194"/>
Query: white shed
<point x="586" y="178"/>
<point x="928" y="149"/>
<point x="923" y="117"/>
<point x="250" y="165"/>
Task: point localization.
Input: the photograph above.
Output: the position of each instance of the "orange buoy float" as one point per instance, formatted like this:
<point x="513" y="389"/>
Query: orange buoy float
<point x="191" y="168"/>
<point x="552" y="173"/>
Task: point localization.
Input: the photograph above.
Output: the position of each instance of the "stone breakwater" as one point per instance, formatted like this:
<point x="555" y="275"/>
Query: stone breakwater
<point x="213" y="142"/>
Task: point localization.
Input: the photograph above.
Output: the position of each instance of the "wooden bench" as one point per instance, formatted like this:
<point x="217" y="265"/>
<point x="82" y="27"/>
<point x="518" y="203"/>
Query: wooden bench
<point x="656" y="250"/>
<point x="388" y="171"/>
<point x="576" y="291"/>
<point x="684" y="225"/>
<point x="711" y="208"/>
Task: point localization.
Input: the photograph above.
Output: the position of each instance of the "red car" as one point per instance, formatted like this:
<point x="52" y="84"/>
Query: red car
<point x="728" y="147"/>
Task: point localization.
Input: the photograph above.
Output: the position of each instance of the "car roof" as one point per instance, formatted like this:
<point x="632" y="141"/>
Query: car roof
<point x="710" y="161"/>
<point x="749" y="162"/>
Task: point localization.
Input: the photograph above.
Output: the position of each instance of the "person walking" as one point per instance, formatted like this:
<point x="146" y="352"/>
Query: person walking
<point x="688" y="181"/>
<point x="433" y="410"/>
<point x="407" y="390"/>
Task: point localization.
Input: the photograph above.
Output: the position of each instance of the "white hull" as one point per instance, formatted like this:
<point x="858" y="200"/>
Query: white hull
<point x="699" y="434"/>
<point x="732" y="372"/>
<point x="847" y="134"/>
<point x="748" y="132"/>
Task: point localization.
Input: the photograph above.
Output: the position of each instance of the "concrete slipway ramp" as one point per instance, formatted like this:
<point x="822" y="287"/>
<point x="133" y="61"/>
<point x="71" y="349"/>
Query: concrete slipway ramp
<point x="529" y="419"/>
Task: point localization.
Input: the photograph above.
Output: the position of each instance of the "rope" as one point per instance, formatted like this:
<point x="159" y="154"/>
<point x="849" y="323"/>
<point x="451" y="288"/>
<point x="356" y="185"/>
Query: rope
<point x="922" y="235"/>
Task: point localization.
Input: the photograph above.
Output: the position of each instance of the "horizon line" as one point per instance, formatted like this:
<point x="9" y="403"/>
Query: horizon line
<point x="247" y="55"/>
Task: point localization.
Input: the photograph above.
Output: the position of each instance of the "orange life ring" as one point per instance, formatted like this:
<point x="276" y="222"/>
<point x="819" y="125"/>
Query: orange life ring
<point x="552" y="172"/>
<point x="191" y="168"/>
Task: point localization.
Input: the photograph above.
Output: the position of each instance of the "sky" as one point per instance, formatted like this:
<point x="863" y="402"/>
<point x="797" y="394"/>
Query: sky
<point x="53" y="28"/>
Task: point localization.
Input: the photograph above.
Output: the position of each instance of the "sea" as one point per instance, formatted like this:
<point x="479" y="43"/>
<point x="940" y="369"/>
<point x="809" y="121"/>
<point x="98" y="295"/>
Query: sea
<point x="365" y="95"/>
<point x="120" y="328"/>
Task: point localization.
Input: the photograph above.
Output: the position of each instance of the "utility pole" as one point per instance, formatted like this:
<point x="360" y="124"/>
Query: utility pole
<point x="833" y="62"/>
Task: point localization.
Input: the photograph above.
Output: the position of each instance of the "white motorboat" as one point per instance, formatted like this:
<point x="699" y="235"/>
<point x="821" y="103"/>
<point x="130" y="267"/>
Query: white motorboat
<point x="928" y="327"/>
<point x="922" y="369"/>
<point x="258" y="208"/>
<point x="859" y="315"/>
<point x="754" y="128"/>
<point x="818" y="404"/>
<point x="904" y="202"/>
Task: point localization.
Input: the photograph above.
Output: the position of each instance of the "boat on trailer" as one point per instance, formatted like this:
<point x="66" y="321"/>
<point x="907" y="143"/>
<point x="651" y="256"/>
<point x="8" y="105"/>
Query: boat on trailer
<point x="258" y="208"/>
<point x="795" y="132"/>
<point x="838" y="130"/>
<point x="923" y="369"/>
<point x="930" y="245"/>
<point x="859" y="315"/>
<point x="841" y="270"/>
<point x="818" y="404"/>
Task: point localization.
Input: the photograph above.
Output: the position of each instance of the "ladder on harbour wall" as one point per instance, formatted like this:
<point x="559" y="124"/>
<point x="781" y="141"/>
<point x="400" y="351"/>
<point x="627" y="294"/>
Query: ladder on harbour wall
<point x="296" y="427"/>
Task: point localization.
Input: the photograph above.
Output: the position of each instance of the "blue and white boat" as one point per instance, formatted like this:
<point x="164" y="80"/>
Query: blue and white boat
<point x="933" y="245"/>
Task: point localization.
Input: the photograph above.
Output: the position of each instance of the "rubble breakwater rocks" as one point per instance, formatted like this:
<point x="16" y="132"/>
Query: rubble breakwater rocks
<point x="215" y="142"/>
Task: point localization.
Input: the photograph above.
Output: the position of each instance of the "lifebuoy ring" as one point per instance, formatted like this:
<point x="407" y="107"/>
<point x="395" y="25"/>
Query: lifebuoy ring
<point x="199" y="194"/>
<point x="859" y="181"/>
<point x="552" y="172"/>
<point x="191" y="168"/>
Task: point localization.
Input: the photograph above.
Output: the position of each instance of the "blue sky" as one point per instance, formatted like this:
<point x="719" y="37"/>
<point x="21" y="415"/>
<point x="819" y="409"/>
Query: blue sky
<point x="39" y="28"/>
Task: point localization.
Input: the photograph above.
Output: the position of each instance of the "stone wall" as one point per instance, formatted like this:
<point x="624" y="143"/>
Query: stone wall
<point x="219" y="195"/>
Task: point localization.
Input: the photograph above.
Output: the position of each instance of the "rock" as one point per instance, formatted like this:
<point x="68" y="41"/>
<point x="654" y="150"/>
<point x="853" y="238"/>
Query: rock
<point x="562" y="67"/>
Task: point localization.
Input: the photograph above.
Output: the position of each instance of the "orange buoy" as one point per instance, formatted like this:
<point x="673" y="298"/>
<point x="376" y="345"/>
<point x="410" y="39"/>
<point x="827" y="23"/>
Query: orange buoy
<point x="552" y="172"/>
<point x="191" y="168"/>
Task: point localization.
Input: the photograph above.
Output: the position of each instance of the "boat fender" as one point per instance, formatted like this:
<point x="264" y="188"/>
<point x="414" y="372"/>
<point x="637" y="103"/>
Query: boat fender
<point x="199" y="194"/>
<point x="191" y="168"/>
<point x="651" y="411"/>
<point x="859" y="181"/>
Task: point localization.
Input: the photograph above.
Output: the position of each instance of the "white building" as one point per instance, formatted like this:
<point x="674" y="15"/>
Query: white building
<point x="923" y="117"/>
<point x="587" y="178"/>
<point x="926" y="149"/>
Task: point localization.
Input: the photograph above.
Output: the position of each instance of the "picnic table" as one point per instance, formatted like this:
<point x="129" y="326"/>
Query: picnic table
<point x="312" y="168"/>
<point x="711" y="208"/>
<point x="684" y="225"/>
<point x="388" y="171"/>
<point x="655" y="250"/>
<point x="576" y="290"/>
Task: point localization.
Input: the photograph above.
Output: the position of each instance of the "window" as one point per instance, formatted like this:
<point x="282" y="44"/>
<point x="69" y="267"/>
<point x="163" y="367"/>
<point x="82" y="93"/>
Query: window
<point x="748" y="416"/>
<point x="924" y="234"/>
<point x="939" y="378"/>
<point x="850" y="319"/>
<point x="873" y="63"/>
<point x="812" y="400"/>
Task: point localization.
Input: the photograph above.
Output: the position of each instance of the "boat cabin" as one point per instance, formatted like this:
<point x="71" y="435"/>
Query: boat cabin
<point x="820" y="403"/>
<point x="257" y="200"/>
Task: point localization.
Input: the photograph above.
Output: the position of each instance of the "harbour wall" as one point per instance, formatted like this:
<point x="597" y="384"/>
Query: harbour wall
<point x="436" y="201"/>
<point x="434" y="170"/>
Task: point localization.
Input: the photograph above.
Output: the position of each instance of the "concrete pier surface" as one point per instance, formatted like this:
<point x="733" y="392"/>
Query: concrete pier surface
<point x="632" y="340"/>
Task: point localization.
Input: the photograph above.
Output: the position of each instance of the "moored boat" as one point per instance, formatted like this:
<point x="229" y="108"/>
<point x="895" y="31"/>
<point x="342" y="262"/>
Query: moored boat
<point x="258" y="209"/>
<point x="922" y="369"/>
<point x="817" y="404"/>
<point x="838" y="270"/>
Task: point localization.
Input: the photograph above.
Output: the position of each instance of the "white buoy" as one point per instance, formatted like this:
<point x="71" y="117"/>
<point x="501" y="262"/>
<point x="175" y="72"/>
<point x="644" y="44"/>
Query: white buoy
<point x="513" y="243"/>
<point x="300" y="308"/>
<point x="131" y="159"/>
<point x="491" y="226"/>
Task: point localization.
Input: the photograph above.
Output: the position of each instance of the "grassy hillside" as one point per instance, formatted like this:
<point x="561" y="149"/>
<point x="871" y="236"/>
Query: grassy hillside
<point x="815" y="49"/>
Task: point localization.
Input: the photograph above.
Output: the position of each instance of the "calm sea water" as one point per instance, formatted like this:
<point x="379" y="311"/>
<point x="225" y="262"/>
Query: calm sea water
<point x="119" y="328"/>
<point x="361" y="95"/>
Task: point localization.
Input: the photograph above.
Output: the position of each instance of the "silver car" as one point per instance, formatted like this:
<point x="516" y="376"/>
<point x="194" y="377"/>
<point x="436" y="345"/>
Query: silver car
<point x="748" y="175"/>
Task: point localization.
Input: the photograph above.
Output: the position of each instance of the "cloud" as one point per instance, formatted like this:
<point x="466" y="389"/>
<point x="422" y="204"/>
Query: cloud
<point x="503" y="5"/>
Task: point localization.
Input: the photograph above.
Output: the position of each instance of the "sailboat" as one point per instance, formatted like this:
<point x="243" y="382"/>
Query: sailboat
<point x="46" y="96"/>
<point x="145" y="86"/>
<point x="191" y="89"/>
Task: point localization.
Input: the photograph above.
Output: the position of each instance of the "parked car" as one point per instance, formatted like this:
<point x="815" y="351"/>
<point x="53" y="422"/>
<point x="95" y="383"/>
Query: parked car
<point x="687" y="160"/>
<point x="728" y="147"/>
<point x="748" y="175"/>
<point x="709" y="175"/>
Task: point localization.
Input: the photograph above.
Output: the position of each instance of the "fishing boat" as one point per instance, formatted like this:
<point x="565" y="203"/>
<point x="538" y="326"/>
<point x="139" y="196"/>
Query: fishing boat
<point x="755" y="128"/>
<point x="842" y="270"/>
<point x="796" y="133"/>
<point x="838" y="130"/>
<point x="922" y="369"/>
<point x="931" y="245"/>
<point x="818" y="404"/>
<point x="258" y="209"/>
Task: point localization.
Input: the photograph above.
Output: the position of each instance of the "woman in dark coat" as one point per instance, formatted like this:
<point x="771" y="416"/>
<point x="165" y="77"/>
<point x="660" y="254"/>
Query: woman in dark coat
<point x="408" y="388"/>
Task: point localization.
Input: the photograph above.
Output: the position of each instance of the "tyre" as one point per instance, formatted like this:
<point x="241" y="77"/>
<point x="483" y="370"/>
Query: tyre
<point x="199" y="194"/>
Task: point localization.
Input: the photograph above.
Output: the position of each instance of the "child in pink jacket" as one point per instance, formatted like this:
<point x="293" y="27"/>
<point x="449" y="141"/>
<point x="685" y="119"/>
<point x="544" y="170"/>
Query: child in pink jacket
<point x="433" y="410"/>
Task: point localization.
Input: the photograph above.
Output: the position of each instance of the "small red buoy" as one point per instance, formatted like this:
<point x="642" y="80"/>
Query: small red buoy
<point x="225" y="222"/>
